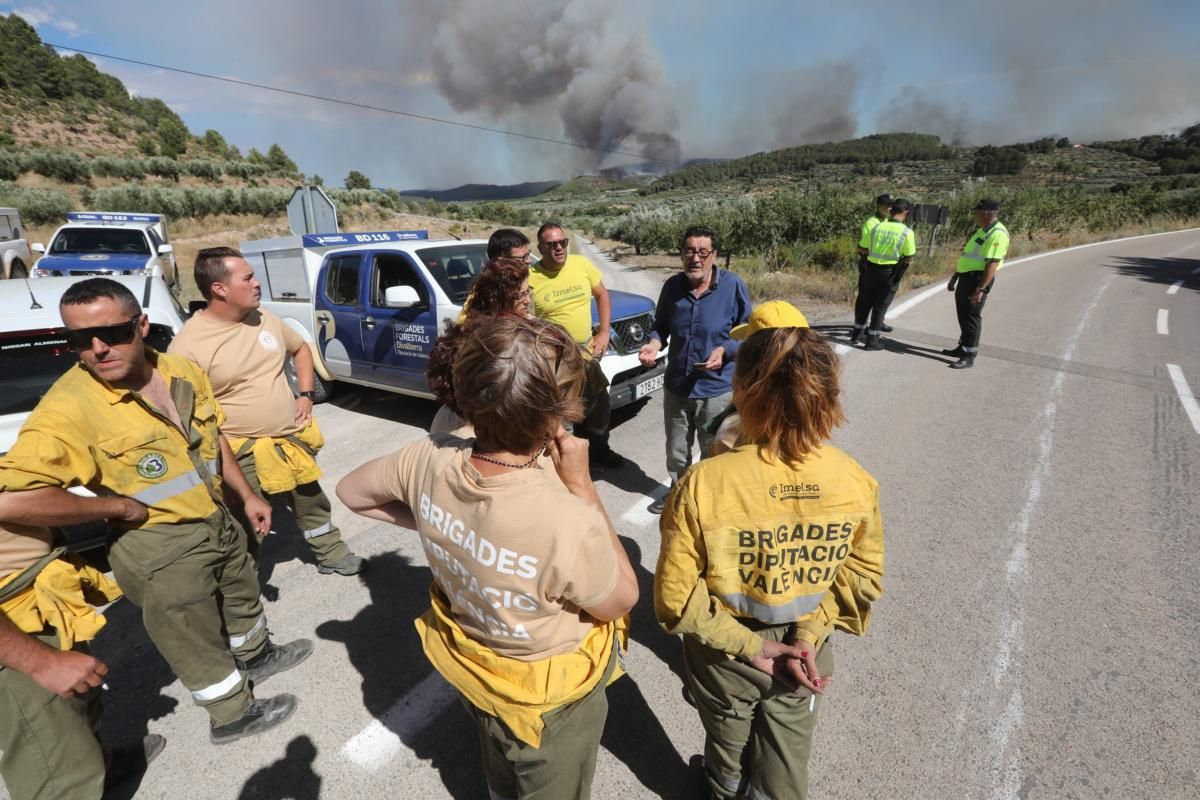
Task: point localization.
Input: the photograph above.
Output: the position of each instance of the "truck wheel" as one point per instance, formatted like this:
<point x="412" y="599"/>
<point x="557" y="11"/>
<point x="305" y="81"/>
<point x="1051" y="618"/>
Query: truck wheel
<point x="322" y="389"/>
<point x="18" y="270"/>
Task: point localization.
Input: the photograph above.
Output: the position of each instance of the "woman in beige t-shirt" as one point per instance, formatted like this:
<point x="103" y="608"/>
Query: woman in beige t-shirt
<point x="530" y="582"/>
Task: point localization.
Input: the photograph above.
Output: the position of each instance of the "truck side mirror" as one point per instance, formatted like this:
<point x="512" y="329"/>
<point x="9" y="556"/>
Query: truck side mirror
<point x="401" y="297"/>
<point x="38" y="248"/>
<point x="165" y="249"/>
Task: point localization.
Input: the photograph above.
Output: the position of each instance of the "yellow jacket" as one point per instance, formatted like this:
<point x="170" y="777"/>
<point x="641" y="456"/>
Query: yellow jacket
<point x="283" y="462"/>
<point x="744" y="537"/>
<point x="87" y="433"/>
<point x="61" y="595"/>
<point x="518" y="692"/>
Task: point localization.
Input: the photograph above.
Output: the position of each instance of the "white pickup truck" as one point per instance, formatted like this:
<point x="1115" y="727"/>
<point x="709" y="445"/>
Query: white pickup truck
<point x="371" y="305"/>
<point x="109" y="244"/>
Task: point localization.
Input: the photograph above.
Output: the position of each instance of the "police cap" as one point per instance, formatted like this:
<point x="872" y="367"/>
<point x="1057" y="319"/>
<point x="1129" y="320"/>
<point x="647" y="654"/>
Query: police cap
<point x="899" y="205"/>
<point x="987" y="204"/>
<point x="883" y="200"/>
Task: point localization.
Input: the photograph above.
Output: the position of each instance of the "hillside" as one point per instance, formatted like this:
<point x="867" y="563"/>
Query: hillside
<point x="483" y="191"/>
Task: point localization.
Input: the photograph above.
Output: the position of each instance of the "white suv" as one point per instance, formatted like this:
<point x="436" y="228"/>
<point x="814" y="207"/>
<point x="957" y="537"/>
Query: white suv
<point x="15" y="251"/>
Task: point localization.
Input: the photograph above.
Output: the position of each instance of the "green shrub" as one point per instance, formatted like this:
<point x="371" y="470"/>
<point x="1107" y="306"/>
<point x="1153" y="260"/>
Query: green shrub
<point x="10" y="166"/>
<point x="209" y="170"/>
<point x="37" y="206"/>
<point x="56" y="164"/>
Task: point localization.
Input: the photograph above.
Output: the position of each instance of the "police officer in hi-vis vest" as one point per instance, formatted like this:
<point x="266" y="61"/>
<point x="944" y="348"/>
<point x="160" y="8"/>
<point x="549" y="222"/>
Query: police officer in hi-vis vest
<point x="890" y="249"/>
<point x="982" y="255"/>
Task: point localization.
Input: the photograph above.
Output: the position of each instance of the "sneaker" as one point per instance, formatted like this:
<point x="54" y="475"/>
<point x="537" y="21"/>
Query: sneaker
<point x="658" y="506"/>
<point x="128" y="762"/>
<point x="262" y="715"/>
<point x="276" y="658"/>
<point x="957" y="352"/>
<point x="347" y="565"/>
<point x="606" y="457"/>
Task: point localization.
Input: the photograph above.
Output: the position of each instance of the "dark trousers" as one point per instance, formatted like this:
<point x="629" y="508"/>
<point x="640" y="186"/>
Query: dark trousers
<point x="970" y="317"/>
<point x="873" y="298"/>
<point x="897" y="273"/>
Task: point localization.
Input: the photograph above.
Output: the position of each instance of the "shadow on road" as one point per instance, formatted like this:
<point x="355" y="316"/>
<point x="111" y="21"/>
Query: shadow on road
<point x="1159" y="270"/>
<point x="290" y="778"/>
<point x="417" y="412"/>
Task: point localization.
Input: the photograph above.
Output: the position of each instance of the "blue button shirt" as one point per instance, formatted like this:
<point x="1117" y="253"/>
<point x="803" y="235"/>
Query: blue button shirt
<point x="692" y="327"/>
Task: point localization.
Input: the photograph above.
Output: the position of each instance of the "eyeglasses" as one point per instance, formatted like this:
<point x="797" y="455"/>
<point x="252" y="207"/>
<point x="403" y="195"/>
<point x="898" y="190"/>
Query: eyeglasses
<point x="688" y="252"/>
<point x="555" y="244"/>
<point x="121" y="333"/>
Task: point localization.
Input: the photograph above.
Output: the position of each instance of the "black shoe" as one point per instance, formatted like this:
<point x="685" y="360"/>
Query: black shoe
<point x="856" y="337"/>
<point x="966" y="362"/>
<point x="886" y="328"/>
<point x="347" y="565"/>
<point x="874" y="343"/>
<point x="262" y="715"/>
<point x="606" y="457"/>
<point x="129" y="762"/>
<point x="956" y="352"/>
<point x="277" y="658"/>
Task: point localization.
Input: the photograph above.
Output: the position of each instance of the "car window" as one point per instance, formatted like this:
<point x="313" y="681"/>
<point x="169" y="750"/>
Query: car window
<point x="31" y="361"/>
<point x="100" y="240"/>
<point x="341" y="280"/>
<point x="394" y="270"/>
<point x="454" y="267"/>
<point x="6" y="231"/>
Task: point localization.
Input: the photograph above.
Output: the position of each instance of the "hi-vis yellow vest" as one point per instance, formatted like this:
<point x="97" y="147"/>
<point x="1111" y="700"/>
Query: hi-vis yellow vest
<point x="891" y="241"/>
<point x="984" y="246"/>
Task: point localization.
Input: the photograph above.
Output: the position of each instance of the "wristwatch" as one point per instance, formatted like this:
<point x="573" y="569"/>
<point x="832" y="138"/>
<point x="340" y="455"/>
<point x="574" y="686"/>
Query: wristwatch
<point x="310" y="394"/>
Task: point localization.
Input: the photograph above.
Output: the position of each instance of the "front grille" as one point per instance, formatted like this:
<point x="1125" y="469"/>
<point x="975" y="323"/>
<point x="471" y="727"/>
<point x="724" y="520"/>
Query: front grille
<point x="628" y="335"/>
<point x="91" y="272"/>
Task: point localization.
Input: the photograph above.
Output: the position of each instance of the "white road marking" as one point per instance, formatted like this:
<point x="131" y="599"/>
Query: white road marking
<point x="1007" y="702"/>
<point x="381" y="741"/>
<point x="1161" y="325"/>
<point x="1174" y="287"/>
<point x="841" y="349"/>
<point x="1185" y="395"/>
<point x="637" y="514"/>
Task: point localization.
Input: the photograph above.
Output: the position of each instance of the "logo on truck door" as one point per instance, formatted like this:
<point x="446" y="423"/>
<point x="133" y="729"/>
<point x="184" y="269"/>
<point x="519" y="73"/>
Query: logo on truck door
<point x="411" y="339"/>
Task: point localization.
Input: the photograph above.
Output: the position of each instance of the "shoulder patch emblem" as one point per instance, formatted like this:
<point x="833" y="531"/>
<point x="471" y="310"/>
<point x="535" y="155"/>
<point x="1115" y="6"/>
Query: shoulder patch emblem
<point x="268" y="340"/>
<point x="152" y="465"/>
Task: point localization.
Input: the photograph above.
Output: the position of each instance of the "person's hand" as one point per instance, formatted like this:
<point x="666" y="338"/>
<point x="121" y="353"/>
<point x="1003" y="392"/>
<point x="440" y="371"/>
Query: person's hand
<point x="600" y="343"/>
<point x="68" y="672"/>
<point x="570" y="456"/>
<point x="303" y="410"/>
<point x="977" y="297"/>
<point x="953" y="282"/>
<point x="790" y="664"/>
<point x="716" y="360"/>
<point x="132" y="513"/>
<point x="258" y="511"/>
<point x="649" y="352"/>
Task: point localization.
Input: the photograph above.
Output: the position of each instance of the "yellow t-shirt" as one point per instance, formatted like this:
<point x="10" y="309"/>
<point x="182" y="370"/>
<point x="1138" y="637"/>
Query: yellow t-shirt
<point x="244" y="361"/>
<point x="565" y="297"/>
<point x="516" y="554"/>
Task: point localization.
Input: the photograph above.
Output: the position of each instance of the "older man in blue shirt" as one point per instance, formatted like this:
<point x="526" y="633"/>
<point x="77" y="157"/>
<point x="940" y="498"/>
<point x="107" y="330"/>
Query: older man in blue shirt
<point x="696" y="310"/>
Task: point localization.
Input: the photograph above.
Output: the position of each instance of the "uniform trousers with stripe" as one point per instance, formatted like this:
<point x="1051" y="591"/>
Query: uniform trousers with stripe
<point x="874" y="296"/>
<point x="202" y="611"/>
<point x="313" y="516"/>
<point x="970" y="316"/>
<point x="758" y="732"/>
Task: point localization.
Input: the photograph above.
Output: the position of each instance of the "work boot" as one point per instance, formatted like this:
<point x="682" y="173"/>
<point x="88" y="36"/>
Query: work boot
<point x="966" y="362"/>
<point x="262" y="715"/>
<point x="276" y="658"/>
<point x="957" y="352"/>
<point x="856" y="336"/>
<point x="874" y="342"/>
<point x="346" y="565"/>
<point x="886" y="328"/>
<point x="128" y="762"/>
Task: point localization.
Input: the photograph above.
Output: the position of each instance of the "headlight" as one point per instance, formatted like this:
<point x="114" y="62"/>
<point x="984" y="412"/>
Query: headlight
<point x="39" y="273"/>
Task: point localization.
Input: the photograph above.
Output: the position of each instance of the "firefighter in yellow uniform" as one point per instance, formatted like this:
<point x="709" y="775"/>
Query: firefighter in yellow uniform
<point x="972" y="281"/>
<point x="883" y="205"/>
<point x="766" y="549"/>
<point x="243" y="350"/>
<point x="138" y="424"/>
<point x="890" y="250"/>
<point x="49" y="682"/>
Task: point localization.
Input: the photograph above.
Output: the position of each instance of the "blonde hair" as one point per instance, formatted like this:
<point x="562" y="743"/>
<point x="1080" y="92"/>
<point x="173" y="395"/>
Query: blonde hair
<point x="787" y="392"/>
<point x="516" y="378"/>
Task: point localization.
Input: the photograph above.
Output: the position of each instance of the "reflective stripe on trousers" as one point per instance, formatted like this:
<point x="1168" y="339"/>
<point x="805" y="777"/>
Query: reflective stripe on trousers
<point x="320" y="530"/>
<point x="237" y="641"/>
<point x="218" y="690"/>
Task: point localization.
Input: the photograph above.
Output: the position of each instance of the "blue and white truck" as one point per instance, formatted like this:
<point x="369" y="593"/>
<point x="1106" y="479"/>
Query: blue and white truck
<point x="371" y="305"/>
<point x="108" y="243"/>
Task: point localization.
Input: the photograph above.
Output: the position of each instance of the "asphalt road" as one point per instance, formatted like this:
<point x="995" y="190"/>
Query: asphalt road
<point x="1037" y="635"/>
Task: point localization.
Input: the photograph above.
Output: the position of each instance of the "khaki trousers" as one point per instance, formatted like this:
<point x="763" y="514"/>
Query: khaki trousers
<point x="201" y="611"/>
<point x="313" y="516"/>
<point x="758" y="732"/>
<point x="685" y="419"/>
<point x="49" y="744"/>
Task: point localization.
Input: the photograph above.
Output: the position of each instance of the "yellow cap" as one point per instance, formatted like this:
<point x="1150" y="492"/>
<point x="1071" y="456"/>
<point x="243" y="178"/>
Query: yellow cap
<point x="775" y="314"/>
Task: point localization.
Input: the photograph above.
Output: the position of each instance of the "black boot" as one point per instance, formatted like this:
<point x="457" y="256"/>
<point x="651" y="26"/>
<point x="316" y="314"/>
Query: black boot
<point x="966" y="362"/>
<point x="856" y="336"/>
<point x="276" y="658"/>
<point x="886" y="328"/>
<point x="874" y="342"/>
<point x="957" y="352"/>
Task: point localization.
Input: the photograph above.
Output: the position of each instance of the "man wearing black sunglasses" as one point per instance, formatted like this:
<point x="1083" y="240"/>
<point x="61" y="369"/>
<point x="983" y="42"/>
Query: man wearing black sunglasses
<point x="145" y="426"/>
<point x="563" y="286"/>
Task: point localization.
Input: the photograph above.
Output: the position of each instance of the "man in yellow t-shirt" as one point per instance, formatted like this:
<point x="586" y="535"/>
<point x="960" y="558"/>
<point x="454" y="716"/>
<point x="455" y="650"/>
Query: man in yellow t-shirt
<point x="243" y="350"/>
<point x="563" y="286"/>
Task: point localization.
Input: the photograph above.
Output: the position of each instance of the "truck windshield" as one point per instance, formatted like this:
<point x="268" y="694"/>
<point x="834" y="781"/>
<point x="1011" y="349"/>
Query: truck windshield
<point x="100" y="240"/>
<point x="454" y="267"/>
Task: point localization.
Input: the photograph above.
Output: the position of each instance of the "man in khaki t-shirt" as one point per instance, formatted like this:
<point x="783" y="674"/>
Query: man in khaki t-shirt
<point x="244" y="349"/>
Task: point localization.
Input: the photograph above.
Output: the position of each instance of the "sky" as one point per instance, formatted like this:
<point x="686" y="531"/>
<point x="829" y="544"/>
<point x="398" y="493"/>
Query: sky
<point x="661" y="79"/>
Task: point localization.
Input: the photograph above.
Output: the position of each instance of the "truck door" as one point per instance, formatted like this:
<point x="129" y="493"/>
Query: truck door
<point x="338" y="312"/>
<point x="398" y="340"/>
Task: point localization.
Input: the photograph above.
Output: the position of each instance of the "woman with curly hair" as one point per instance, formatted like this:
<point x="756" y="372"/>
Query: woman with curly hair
<point x="766" y="549"/>
<point x="502" y="287"/>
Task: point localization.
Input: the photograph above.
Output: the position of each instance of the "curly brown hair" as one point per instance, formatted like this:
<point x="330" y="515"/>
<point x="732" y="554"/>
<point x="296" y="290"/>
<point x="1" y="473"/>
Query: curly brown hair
<point x="497" y="290"/>
<point x="787" y="392"/>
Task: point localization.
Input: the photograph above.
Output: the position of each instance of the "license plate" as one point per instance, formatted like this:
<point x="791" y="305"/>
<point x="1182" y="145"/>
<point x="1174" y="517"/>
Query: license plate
<point x="646" y="387"/>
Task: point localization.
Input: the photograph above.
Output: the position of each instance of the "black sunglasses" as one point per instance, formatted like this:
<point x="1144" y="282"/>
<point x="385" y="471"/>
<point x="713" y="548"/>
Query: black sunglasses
<point x="121" y="333"/>
<point x="555" y="244"/>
